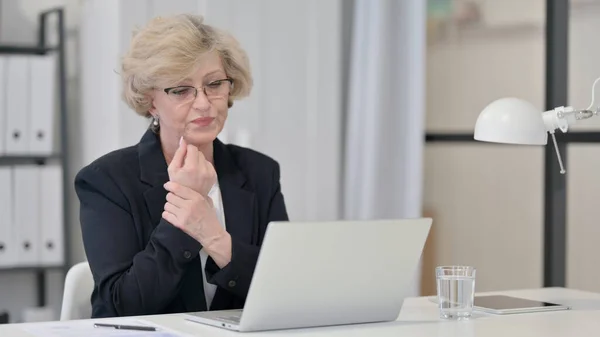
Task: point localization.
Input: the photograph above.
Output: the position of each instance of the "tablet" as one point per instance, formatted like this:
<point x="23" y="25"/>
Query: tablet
<point x="502" y="305"/>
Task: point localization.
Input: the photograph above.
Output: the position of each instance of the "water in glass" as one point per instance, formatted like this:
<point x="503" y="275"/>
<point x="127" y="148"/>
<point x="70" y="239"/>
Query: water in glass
<point x="455" y="296"/>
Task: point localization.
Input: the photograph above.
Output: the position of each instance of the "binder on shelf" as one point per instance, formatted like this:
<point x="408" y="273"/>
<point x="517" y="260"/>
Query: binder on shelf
<point x="17" y="105"/>
<point x="42" y="108"/>
<point x="51" y="215"/>
<point x="3" y="60"/>
<point x="26" y="214"/>
<point x="7" y="246"/>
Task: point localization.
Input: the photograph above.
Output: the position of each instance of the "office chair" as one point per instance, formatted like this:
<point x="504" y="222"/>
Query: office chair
<point x="79" y="285"/>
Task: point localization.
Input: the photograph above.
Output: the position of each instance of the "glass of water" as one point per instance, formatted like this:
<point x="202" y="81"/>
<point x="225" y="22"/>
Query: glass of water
<point x="456" y="291"/>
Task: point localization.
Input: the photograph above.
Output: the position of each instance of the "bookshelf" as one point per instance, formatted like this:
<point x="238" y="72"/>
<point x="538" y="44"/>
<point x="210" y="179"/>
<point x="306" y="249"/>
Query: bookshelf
<point x="61" y="158"/>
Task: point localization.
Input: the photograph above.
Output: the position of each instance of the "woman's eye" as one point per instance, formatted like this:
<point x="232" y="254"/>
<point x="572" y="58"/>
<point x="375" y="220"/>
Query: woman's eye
<point x="180" y="91"/>
<point x="215" y="84"/>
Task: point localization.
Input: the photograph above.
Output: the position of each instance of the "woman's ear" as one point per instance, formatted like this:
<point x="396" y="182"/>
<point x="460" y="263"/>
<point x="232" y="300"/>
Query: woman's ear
<point x="153" y="111"/>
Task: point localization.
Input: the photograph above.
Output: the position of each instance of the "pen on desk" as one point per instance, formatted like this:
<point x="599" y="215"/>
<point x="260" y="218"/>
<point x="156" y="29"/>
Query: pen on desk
<point x="124" y="327"/>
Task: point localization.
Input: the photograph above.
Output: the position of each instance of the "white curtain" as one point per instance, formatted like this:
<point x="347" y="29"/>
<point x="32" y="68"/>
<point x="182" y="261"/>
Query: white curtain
<point x="385" y="111"/>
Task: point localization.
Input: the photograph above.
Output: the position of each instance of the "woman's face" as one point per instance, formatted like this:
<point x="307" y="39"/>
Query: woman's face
<point x="197" y="107"/>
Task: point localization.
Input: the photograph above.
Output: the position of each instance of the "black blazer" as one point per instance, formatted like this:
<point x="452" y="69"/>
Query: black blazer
<point x="141" y="263"/>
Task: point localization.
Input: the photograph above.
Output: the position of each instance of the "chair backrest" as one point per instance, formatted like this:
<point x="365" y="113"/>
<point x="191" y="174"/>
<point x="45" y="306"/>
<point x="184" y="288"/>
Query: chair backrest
<point x="79" y="285"/>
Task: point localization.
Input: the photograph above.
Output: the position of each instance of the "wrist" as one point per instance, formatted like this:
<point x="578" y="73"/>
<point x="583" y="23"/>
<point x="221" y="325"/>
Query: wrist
<point x="215" y="241"/>
<point x="219" y="248"/>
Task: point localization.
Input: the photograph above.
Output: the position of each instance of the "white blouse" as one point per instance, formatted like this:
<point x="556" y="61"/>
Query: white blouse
<point x="210" y="289"/>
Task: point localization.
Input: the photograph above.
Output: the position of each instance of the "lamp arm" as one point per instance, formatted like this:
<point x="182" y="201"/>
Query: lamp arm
<point x="559" y="119"/>
<point x="560" y="162"/>
<point x="593" y="94"/>
<point x="580" y="114"/>
<point x="562" y="117"/>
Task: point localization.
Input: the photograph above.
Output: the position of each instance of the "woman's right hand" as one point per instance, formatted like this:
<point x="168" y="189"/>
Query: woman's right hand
<point x="190" y="168"/>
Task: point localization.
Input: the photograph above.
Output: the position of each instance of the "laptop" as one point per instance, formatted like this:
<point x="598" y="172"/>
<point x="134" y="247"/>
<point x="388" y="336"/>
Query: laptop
<point x="313" y="274"/>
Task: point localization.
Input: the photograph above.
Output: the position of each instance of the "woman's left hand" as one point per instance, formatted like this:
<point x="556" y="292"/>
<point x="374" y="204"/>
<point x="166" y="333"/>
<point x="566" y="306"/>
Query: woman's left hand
<point x="194" y="214"/>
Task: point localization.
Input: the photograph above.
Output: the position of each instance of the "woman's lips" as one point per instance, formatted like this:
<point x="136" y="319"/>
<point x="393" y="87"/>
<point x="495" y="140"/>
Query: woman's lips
<point x="203" y="121"/>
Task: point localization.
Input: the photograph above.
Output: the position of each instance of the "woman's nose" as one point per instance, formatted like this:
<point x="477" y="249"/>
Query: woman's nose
<point x="201" y="101"/>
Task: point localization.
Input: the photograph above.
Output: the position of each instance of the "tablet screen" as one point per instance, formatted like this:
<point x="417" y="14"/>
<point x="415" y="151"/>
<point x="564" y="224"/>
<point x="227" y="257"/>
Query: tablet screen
<point x="500" y="302"/>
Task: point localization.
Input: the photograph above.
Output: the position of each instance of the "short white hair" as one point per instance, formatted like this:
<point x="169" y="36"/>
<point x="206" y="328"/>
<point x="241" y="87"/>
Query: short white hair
<point x="167" y="50"/>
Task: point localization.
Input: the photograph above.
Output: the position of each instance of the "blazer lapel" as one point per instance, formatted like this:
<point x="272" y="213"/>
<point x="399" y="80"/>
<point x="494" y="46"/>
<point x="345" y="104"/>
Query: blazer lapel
<point x="153" y="171"/>
<point x="238" y="203"/>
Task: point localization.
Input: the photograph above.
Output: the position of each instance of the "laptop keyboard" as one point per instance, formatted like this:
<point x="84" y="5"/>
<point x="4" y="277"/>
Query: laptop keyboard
<point x="235" y="318"/>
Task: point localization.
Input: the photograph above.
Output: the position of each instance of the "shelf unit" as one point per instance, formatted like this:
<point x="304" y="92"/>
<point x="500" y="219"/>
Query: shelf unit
<point x="62" y="157"/>
<point x="449" y="31"/>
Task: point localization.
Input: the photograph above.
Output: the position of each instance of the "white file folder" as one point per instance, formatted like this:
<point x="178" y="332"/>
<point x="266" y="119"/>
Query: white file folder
<point x="3" y="104"/>
<point x="51" y="215"/>
<point x="42" y="109"/>
<point x="26" y="208"/>
<point x="17" y="105"/>
<point x="7" y="246"/>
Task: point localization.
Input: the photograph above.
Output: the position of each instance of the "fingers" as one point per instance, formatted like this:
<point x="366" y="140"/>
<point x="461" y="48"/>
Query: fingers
<point x="206" y="168"/>
<point x="211" y="169"/>
<point x="175" y="200"/>
<point x="170" y="217"/>
<point x="207" y="172"/>
<point x="191" y="158"/>
<point x="180" y="154"/>
<point x="201" y="159"/>
<point x="191" y="169"/>
<point x="181" y="191"/>
<point x="211" y="176"/>
<point x="169" y="207"/>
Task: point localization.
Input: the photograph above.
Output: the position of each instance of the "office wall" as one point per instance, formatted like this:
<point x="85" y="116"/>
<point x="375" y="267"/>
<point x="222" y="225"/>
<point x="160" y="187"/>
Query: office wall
<point x="486" y="199"/>
<point x="294" y="112"/>
<point x="583" y="162"/>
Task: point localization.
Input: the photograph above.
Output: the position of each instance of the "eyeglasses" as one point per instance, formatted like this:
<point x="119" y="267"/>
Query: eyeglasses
<point x="214" y="90"/>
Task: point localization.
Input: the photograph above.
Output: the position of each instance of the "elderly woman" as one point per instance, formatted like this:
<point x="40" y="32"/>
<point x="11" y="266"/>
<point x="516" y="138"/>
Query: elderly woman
<point x="175" y="223"/>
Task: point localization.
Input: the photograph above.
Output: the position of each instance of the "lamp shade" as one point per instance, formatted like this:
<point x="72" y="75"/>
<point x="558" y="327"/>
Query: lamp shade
<point x="511" y="121"/>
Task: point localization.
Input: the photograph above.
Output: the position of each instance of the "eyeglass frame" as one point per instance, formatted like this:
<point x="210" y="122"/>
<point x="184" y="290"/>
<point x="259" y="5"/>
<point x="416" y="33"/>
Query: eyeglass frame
<point x="228" y="79"/>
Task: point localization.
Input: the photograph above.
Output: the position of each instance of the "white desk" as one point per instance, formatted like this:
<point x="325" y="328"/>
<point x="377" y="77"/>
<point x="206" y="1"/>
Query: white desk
<point x="419" y="317"/>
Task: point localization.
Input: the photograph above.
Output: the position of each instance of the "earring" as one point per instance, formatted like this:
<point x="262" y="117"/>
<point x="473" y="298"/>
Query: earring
<point x="155" y="120"/>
